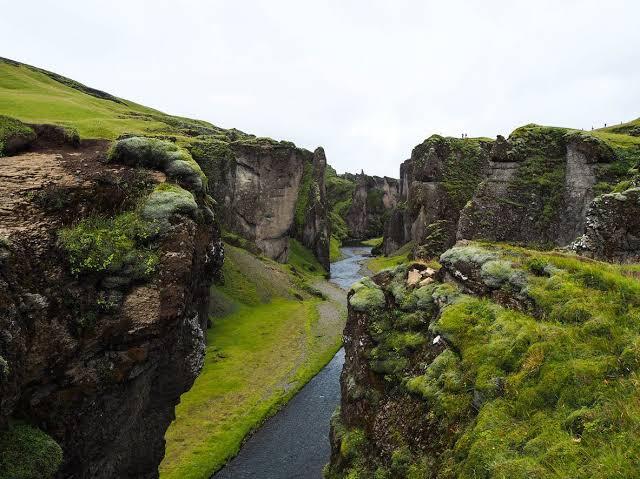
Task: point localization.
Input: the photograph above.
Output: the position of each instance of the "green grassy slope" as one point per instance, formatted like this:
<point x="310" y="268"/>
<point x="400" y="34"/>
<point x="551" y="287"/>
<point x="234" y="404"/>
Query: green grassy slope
<point x="265" y="344"/>
<point x="33" y="96"/>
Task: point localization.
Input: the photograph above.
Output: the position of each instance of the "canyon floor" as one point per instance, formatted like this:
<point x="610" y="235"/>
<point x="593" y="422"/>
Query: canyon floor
<point x="265" y="344"/>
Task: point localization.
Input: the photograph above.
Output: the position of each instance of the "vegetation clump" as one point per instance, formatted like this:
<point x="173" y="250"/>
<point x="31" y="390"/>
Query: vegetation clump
<point x="28" y="453"/>
<point x="543" y="391"/>
<point x="14" y="135"/>
<point x="159" y="154"/>
<point x="367" y="296"/>
<point x="165" y="201"/>
<point x="120" y="244"/>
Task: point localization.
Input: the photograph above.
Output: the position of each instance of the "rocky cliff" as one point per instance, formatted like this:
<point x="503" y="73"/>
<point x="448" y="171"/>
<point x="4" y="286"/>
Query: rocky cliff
<point x="106" y="258"/>
<point x="268" y="191"/>
<point x="498" y="362"/>
<point x="360" y="204"/>
<point x="534" y="188"/>
<point x="372" y="200"/>
<point x="435" y="184"/>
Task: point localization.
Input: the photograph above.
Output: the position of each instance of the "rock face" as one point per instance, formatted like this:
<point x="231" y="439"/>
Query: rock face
<point x="435" y="184"/>
<point x="264" y="189"/>
<point x="612" y="228"/>
<point x="373" y="199"/>
<point x="533" y="188"/>
<point x="98" y="351"/>
<point x="315" y="229"/>
<point x="539" y="185"/>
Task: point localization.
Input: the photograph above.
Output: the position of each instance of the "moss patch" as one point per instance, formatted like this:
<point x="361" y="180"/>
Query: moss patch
<point x="111" y="245"/>
<point x="28" y="453"/>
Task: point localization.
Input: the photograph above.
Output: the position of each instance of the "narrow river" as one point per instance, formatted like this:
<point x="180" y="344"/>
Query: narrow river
<point x="294" y="444"/>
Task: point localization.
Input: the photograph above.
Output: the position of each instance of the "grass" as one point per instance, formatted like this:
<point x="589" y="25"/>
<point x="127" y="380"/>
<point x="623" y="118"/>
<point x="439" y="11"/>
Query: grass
<point x="334" y="249"/>
<point x="399" y="257"/>
<point x="544" y="383"/>
<point x="263" y="347"/>
<point x="373" y="242"/>
<point x="32" y="96"/>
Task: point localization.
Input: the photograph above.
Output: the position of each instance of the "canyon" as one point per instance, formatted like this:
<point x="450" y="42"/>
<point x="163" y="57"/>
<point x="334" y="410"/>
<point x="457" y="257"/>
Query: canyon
<point x="130" y="238"/>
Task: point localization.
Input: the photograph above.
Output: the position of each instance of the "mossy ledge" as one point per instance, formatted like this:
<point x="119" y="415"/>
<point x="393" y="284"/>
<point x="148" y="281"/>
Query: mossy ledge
<point x="511" y="363"/>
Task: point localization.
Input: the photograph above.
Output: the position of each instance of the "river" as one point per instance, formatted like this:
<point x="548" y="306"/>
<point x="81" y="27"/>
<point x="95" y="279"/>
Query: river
<point x="294" y="444"/>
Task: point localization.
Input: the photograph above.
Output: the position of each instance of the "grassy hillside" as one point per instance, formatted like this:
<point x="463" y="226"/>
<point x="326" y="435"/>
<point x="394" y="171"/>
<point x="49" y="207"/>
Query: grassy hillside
<point x="35" y="96"/>
<point x="268" y="339"/>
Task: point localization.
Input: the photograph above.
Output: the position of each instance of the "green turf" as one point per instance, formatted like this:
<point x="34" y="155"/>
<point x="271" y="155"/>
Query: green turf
<point x="34" y="97"/>
<point x="396" y="258"/>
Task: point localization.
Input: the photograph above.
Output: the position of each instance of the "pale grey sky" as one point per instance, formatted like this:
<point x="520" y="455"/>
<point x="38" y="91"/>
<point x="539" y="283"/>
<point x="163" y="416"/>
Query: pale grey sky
<point x="368" y="80"/>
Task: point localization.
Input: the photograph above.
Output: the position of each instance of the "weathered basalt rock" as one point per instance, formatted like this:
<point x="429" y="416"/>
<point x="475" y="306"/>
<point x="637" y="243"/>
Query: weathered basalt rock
<point x="435" y="184"/>
<point x="538" y="187"/>
<point x="612" y="228"/>
<point x="373" y="199"/>
<point x="267" y="192"/>
<point x="98" y="364"/>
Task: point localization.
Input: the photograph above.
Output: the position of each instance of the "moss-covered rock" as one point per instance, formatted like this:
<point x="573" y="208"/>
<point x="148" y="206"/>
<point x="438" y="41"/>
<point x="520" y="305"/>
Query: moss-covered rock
<point x="117" y="245"/>
<point x="160" y="154"/>
<point x="366" y="296"/>
<point x="168" y="200"/>
<point x="28" y="453"/>
<point x="15" y="136"/>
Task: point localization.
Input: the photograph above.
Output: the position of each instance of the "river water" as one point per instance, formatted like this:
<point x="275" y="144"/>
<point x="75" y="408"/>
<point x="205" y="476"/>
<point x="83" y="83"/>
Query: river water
<point x="294" y="444"/>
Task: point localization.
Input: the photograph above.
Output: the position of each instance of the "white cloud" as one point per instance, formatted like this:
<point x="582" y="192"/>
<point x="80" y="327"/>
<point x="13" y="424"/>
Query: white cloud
<point x="368" y="80"/>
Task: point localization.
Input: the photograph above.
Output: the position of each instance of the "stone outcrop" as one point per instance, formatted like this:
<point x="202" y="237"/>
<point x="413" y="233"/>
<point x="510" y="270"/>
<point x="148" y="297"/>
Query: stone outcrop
<point x="466" y="372"/>
<point x="435" y="184"/>
<point x="315" y="228"/>
<point x="533" y="188"/>
<point x="539" y="185"/>
<point x="612" y="228"/>
<point x="99" y="338"/>
<point x="267" y="192"/>
<point x="373" y="199"/>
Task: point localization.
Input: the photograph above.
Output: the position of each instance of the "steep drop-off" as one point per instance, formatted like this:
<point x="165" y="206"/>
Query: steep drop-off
<point x="534" y="188"/>
<point x="104" y="284"/>
<point x="501" y="363"/>
<point x="266" y="190"/>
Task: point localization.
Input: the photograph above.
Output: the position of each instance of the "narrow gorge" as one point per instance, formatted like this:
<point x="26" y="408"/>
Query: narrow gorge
<point x="180" y="300"/>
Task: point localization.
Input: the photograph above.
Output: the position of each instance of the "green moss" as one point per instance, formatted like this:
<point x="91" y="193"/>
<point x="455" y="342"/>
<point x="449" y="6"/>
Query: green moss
<point x="463" y="163"/>
<point x="165" y="201"/>
<point x="334" y="249"/>
<point x="111" y="245"/>
<point x="28" y="453"/>
<point x="302" y="201"/>
<point x="367" y="296"/>
<point x="215" y="157"/>
<point x="14" y="135"/>
<point x="159" y="154"/>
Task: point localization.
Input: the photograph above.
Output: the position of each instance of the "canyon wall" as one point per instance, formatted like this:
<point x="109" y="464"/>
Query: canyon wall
<point x="534" y="188"/>
<point x="267" y="192"/>
<point x="105" y="268"/>
<point x="372" y="200"/>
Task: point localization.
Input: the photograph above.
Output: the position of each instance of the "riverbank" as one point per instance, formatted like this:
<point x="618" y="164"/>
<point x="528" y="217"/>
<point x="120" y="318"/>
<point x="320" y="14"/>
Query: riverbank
<point x="294" y="443"/>
<point x="269" y="337"/>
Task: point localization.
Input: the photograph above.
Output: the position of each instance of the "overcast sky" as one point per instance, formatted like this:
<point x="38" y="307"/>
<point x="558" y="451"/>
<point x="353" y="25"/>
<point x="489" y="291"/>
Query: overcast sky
<point x="366" y="79"/>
